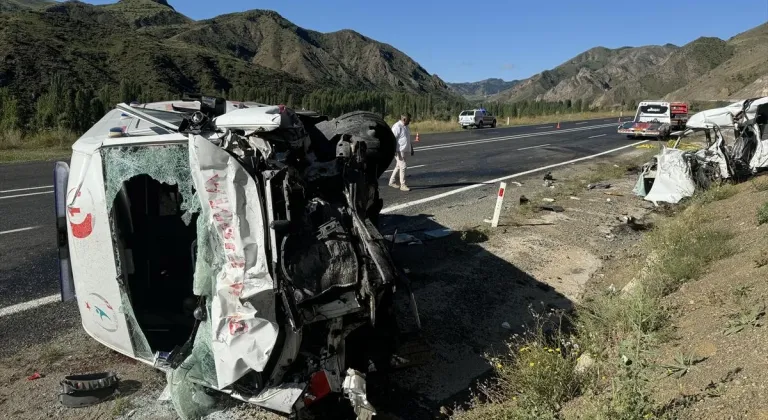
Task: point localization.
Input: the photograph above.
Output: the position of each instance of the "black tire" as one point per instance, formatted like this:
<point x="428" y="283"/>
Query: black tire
<point x="366" y="126"/>
<point x="463" y="127"/>
<point x="480" y="124"/>
<point x="631" y="137"/>
<point x="493" y="124"/>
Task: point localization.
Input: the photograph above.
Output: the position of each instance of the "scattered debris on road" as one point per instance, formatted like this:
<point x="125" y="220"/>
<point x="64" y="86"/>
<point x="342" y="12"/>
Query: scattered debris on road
<point x="556" y="209"/>
<point x="404" y="238"/>
<point x="438" y="233"/>
<point x="86" y="390"/>
<point x="599" y="185"/>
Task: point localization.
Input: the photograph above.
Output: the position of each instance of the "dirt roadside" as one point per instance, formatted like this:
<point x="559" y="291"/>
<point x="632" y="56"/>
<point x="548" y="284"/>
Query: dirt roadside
<point x="475" y="288"/>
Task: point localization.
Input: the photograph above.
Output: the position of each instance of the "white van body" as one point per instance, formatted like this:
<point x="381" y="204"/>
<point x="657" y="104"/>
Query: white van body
<point x="141" y="191"/>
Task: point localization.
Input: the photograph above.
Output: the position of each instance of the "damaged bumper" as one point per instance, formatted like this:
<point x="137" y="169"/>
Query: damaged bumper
<point x="642" y="129"/>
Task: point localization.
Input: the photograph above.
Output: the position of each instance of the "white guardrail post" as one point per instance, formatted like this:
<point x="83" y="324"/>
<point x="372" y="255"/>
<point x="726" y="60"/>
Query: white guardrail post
<point x="499" y="202"/>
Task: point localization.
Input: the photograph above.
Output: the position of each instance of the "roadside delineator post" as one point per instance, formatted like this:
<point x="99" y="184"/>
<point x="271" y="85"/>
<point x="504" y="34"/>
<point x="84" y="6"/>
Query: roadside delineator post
<point x="558" y="125"/>
<point x="417" y="137"/>
<point x="507" y="120"/>
<point x="499" y="202"/>
<point x="621" y="114"/>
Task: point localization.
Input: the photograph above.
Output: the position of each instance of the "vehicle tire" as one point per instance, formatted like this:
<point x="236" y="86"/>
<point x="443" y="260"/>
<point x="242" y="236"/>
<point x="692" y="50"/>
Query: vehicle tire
<point x="631" y="137"/>
<point x="493" y="124"/>
<point x="368" y="127"/>
<point x="480" y="124"/>
<point x="463" y="127"/>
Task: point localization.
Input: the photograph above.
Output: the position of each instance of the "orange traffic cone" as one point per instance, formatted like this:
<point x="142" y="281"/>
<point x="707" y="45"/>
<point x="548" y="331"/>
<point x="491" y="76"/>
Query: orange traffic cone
<point x="417" y="137"/>
<point x="558" y="125"/>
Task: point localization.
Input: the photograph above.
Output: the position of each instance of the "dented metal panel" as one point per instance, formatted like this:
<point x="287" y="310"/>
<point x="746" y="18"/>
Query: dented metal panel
<point x="244" y="327"/>
<point x="673" y="178"/>
<point x="92" y="256"/>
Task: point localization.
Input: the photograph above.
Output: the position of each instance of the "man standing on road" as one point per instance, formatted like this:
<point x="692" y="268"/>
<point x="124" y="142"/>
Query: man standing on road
<point x="403" y="136"/>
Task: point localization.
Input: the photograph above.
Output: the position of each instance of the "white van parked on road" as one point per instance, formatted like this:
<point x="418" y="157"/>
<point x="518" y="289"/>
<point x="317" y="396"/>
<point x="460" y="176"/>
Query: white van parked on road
<point x="478" y="118"/>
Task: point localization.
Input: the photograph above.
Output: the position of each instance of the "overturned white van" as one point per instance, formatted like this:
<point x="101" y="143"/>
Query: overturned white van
<point x="234" y="246"/>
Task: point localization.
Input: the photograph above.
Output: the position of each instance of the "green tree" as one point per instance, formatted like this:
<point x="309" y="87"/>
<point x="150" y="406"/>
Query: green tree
<point x="10" y="118"/>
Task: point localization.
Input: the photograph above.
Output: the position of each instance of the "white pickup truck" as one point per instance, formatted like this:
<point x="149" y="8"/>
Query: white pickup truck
<point x="478" y="118"/>
<point x="656" y="119"/>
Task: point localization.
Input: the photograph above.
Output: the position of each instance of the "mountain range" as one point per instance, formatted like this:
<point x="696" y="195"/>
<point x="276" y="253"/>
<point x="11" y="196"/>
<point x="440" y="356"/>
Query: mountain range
<point x="150" y="43"/>
<point x="706" y="69"/>
<point x="482" y="89"/>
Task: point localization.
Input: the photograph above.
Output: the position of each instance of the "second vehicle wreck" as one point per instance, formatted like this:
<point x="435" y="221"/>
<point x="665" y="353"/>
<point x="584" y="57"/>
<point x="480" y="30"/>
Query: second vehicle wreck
<point x="235" y="247"/>
<point x="737" y="147"/>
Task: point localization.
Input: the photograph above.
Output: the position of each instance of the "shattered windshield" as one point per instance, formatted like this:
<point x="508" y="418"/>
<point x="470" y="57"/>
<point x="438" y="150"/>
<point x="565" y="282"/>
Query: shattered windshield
<point x="167" y="164"/>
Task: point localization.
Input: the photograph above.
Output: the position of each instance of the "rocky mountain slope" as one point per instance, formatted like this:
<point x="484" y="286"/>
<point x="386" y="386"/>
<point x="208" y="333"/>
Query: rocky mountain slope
<point x="483" y="88"/>
<point x="150" y="43"/>
<point x="704" y="69"/>
<point x="743" y="74"/>
<point x="15" y="5"/>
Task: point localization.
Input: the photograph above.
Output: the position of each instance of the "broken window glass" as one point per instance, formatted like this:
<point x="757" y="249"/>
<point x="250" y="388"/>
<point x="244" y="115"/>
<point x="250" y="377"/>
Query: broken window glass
<point x="168" y="164"/>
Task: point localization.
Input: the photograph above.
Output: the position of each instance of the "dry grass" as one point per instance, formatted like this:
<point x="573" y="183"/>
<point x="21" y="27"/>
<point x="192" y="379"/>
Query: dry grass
<point x="534" y="379"/>
<point x="17" y="146"/>
<point x="684" y="246"/>
<point x="759" y="185"/>
<point x="717" y="193"/>
<point x="620" y="330"/>
<point x="762" y="214"/>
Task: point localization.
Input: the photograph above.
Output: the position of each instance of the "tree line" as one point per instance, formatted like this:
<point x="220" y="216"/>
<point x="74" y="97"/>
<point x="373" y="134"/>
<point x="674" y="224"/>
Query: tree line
<point x="77" y="109"/>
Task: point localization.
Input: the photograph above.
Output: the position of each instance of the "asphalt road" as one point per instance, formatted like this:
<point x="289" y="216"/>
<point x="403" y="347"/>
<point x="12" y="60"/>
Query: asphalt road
<point x="442" y="163"/>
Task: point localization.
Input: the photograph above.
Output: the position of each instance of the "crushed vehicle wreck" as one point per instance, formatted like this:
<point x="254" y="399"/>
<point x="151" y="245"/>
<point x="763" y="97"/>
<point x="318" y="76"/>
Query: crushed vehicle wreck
<point x="737" y="147"/>
<point x="235" y="247"/>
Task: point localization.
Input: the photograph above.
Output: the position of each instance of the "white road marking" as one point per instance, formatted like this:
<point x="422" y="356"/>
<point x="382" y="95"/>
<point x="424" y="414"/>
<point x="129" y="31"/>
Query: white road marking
<point x="539" y="128"/>
<point x="533" y="147"/>
<point x="410" y="167"/>
<point x="599" y="135"/>
<point x="24" y="306"/>
<point x="580" y="123"/>
<point x="390" y="209"/>
<point x="517" y="136"/>
<point x="20" y="230"/>
<point x="26" y="189"/>
<point x="26" y="195"/>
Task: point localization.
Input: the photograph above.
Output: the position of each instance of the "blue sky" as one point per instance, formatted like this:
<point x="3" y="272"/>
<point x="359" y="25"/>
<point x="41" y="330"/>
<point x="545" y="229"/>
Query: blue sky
<point x="462" y="40"/>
